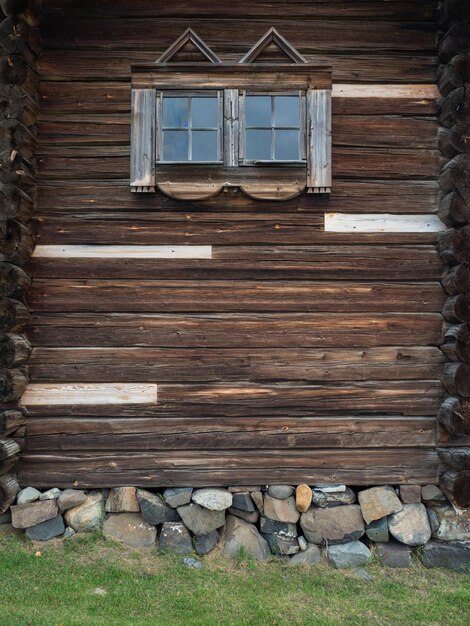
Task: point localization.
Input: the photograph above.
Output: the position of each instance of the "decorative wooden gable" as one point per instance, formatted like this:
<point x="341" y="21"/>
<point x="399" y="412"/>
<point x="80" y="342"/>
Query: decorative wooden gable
<point x="189" y="70"/>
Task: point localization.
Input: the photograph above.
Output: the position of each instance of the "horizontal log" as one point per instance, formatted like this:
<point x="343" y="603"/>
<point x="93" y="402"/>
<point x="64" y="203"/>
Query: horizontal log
<point x="73" y="394"/>
<point x="173" y="296"/>
<point x="13" y="314"/>
<point x="222" y="364"/>
<point x="419" y="398"/>
<point x="9" y="487"/>
<point x="454" y="208"/>
<point x="147" y="434"/>
<point x="457" y="308"/>
<point x="454" y="245"/>
<point x="8" y="448"/>
<point x="376" y="222"/>
<point x="456" y="458"/>
<point x="454" y="415"/>
<point x="14" y="350"/>
<point x="13" y="280"/>
<point x="455" y="108"/>
<point x="12" y="384"/>
<point x="235" y="330"/>
<point x="10" y="421"/>
<point x="456" y="486"/>
<point x="456" y="174"/>
<point x="456" y="379"/>
<point x="354" y="467"/>
<point x="16" y="244"/>
<point x="457" y="279"/>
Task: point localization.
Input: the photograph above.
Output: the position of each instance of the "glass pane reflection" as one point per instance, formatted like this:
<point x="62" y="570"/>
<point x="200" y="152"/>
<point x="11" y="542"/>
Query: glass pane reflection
<point x="258" y="145"/>
<point x="175" y="145"/>
<point x="204" y="145"/>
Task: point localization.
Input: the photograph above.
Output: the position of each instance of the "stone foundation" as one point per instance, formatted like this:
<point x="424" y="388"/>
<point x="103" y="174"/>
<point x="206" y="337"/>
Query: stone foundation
<point x="303" y="524"/>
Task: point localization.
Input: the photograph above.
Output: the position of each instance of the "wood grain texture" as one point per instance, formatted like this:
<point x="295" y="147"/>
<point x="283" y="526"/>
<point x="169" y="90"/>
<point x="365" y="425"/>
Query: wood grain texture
<point x="86" y="394"/>
<point x="371" y="223"/>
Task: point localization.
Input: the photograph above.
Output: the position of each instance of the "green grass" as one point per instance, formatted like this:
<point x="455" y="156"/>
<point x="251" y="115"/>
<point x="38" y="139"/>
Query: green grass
<point x="56" y="587"/>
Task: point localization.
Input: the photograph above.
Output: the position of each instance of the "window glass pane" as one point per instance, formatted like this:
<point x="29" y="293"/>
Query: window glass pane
<point x="175" y="145"/>
<point x="205" y="145"/>
<point x="258" y="111"/>
<point x="258" y="145"/>
<point x="175" y="112"/>
<point x="286" y="145"/>
<point x="286" y="111"/>
<point x="205" y="112"/>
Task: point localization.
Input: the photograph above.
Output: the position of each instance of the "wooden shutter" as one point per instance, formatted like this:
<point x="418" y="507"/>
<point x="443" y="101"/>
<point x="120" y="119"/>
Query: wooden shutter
<point x="319" y="140"/>
<point x="143" y="125"/>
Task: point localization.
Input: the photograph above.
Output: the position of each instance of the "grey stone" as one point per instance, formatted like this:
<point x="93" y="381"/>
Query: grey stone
<point x="281" y="545"/>
<point x="269" y="526"/>
<point x="431" y="494"/>
<point x="410" y="493"/>
<point x="240" y="535"/>
<point x="131" y="529"/>
<point x="175" y="537"/>
<point x="248" y="517"/>
<point x="455" y="556"/>
<point x="28" y="494"/>
<point x="393" y="554"/>
<point x="410" y="525"/>
<point x="177" y="496"/>
<point x="33" y="513"/>
<point x="303" y="544"/>
<point x="88" y="516"/>
<point x="325" y="499"/>
<point x="377" y="530"/>
<point x="378" y="502"/>
<point x="330" y="487"/>
<point x="244" y="502"/>
<point x="257" y="498"/>
<point x="433" y="520"/>
<point x="281" y="510"/>
<point x="310" y="556"/>
<point x="154" y="509"/>
<point x="50" y="494"/>
<point x="70" y="498"/>
<point x="122" y="500"/>
<point x="47" y="530"/>
<point x="214" y="499"/>
<point x="362" y="574"/>
<point x="199" y="520"/>
<point x="98" y="591"/>
<point x="206" y="543"/>
<point x="333" y="525"/>
<point x="281" y="492"/>
<point x="192" y="563"/>
<point x="352" y="554"/>
<point x="452" y="526"/>
<point x="69" y="532"/>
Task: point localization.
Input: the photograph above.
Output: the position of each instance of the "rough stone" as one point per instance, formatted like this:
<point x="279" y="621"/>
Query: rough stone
<point x="378" y="502"/>
<point x="33" y="513"/>
<point x="303" y="498"/>
<point x="452" y="526"/>
<point x="50" y="494"/>
<point x="240" y="535"/>
<point x="269" y="526"/>
<point x="47" y="530"/>
<point x="257" y="498"/>
<point x="410" y="525"/>
<point x="352" y="554"/>
<point x="214" y="499"/>
<point x="69" y="532"/>
<point x="330" y="487"/>
<point x="177" y="496"/>
<point x="393" y="554"/>
<point x="199" y="520"/>
<point x="377" y="530"/>
<point x="333" y="525"/>
<point x="244" y="502"/>
<point x="206" y="543"/>
<point x="281" y="510"/>
<point x="324" y="499"/>
<point x="154" y="509"/>
<point x="433" y="520"/>
<point x="410" y="493"/>
<point x="131" y="529"/>
<point x="28" y="494"/>
<point x="280" y="492"/>
<point x="362" y="574"/>
<point x="192" y="563"/>
<point x="248" y="517"/>
<point x="431" y="494"/>
<point x="455" y="556"/>
<point x="281" y="545"/>
<point x="88" y="516"/>
<point x="310" y="556"/>
<point x="303" y="544"/>
<point x="70" y="498"/>
<point x="122" y="500"/>
<point x="175" y="537"/>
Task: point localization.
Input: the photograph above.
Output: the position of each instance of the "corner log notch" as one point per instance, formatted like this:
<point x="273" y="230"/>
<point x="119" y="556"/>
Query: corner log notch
<point x="19" y="43"/>
<point x="454" y="245"/>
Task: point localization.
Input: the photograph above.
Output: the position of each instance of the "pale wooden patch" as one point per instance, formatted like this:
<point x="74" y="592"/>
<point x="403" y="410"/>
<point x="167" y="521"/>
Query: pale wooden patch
<point x="88" y="393"/>
<point x="381" y="223"/>
<point x="345" y="90"/>
<point x="123" y="252"/>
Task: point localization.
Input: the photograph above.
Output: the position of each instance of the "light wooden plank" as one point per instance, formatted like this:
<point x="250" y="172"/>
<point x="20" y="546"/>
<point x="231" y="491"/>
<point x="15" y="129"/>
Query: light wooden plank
<point x="123" y="252"/>
<point x="382" y="222"/>
<point x="143" y="125"/>
<point x="377" y="90"/>
<point x="88" y="394"/>
<point x="319" y="140"/>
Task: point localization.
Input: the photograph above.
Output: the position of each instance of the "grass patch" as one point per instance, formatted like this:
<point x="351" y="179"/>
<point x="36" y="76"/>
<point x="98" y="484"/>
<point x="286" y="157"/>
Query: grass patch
<point x="143" y="587"/>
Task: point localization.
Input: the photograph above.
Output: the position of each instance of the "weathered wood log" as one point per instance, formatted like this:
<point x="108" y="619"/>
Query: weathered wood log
<point x="9" y="487"/>
<point x="13" y="7"/>
<point x="454" y="415"/>
<point x="15" y="169"/>
<point x="454" y="208"/>
<point x="13" y="280"/>
<point x="17" y="37"/>
<point x="16" y="104"/>
<point x="15" y="136"/>
<point x="455" y="41"/>
<point x="457" y="308"/>
<point x="459" y="332"/>
<point x="456" y="458"/>
<point x="8" y="448"/>
<point x="455" y="107"/>
<point x="456" y="173"/>
<point x="15" y="203"/>
<point x="455" y="140"/>
<point x="12" y="384"/>
<point x="454" y="10"/>
<point x="14" y="315"/>
<point x="10" y="421"/>
<point x="16" y="243"/>
<point x="456" y="379"/>
<point x="454" y="245"/>
<point x="456" y="486"/>
<point x="457" y="279"/>
<point x="13" y="69"/>
<point x="455" y="74"/>
<point x="14" y="350"/>
<point x="456" y="350"/>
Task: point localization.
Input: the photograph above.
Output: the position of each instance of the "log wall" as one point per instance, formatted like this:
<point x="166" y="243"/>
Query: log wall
<point x="288" y="350"/>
